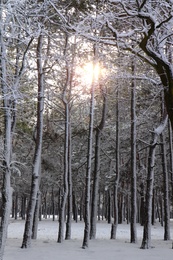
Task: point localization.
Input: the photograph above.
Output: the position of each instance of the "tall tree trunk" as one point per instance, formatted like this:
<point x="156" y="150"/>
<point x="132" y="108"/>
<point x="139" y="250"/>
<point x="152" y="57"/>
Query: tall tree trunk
<point x="133" y="228"/>
<point x="146" y="241"/>
<point x="88" y="170"/>
<point x="94" y="203"/>
<point x="165" y="178"/>
<point x="165" y="190"/>
<point x="7" y="148"/>
<point x="171" y="158"/>
<point x="38" y="147"/>
<point x="116" y="184"/>
<point x="65" y="176"/>
<point x="69" y="207"/>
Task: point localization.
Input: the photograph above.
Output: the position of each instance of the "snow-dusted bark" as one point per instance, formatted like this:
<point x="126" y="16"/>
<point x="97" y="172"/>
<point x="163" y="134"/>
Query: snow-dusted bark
<point x="36" y="216"/>
<point x="38" y="147"/>
<point x="9" y="88"/>
<point x="146" y="242"/>
<point x="94" y="202"/>
<point x="5" y="168"/>
<point x="88" y="171"/>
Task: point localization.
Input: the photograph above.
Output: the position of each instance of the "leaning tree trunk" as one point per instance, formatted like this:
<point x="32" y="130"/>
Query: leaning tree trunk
<point x="94" y="203"/>
<point x="146" y="241"/>
<point x="38" y="147"/>
<point x="116" y="184"/>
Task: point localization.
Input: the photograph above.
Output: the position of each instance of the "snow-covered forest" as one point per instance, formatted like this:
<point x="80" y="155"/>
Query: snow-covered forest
<point x="86" y="119"/>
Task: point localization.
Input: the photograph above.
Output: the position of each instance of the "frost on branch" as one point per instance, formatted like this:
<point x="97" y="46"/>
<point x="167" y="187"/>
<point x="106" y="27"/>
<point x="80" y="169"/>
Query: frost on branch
<point x="161" y="127"/>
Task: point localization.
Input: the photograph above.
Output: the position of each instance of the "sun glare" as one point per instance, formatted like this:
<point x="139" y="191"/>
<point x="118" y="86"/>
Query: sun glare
<point x="89" y="73"/>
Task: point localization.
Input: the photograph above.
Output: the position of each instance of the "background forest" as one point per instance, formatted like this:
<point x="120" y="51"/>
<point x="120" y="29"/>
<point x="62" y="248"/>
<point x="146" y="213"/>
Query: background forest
<point x="86" y="87"/>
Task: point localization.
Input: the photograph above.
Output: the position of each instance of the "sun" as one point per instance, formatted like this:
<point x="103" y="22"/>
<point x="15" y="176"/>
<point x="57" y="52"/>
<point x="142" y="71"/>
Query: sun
<point x="88" y="73"/>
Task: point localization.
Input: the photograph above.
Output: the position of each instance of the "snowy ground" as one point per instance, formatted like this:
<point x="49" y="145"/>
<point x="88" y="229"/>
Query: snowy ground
<point x="46" y="247"/>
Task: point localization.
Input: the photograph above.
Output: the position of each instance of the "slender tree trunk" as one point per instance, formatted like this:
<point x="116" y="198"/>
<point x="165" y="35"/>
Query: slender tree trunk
<point x="133" y="229"/>
<point x="94" y="203"/>
<point x="23" y="207"/>
<point x="36" y="216"/>
<point x="171" y="158"/>
<point x="38" y="147"/>
<point x="165" y="179"/>
<point x="70" y="207"/>
<point x="108" y="207"/>
<point x="7" y="149"/>
<point x="37" y="210"/>
<point x="16" y="205"/>
<point x="165" y="190"/>
<point x="146" y="242"/>
<point x="65" y="176"/>
<point x="116" y="184"/>
<point x="88" y="170"/>
<point x="142" y="205"/>
<point x="53" y="204"/>
<point x="153" y="209"/>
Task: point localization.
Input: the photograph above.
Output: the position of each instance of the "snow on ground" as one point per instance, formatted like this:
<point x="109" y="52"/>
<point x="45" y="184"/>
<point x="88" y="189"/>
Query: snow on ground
<point x="102" y="248"/>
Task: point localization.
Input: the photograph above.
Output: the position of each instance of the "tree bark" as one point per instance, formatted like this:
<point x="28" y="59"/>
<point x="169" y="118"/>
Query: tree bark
<point x="171" y="158"/>
<point x="38" y="147"/>
<point x="70" y="195"/>
<point x="146" y="241"/>
<point x="7" y="148"/>
<point x="88" y="170"/>
<point x="165" y="190"/>
<point x="94" y="203"/>
<point x="36" y="217"/>
<point x="65" y="176"/>
<point x="116" y="184"/>
<point x="133" y="229"/>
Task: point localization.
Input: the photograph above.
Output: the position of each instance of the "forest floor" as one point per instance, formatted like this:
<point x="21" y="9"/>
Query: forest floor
<point x="102" y="248"/>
